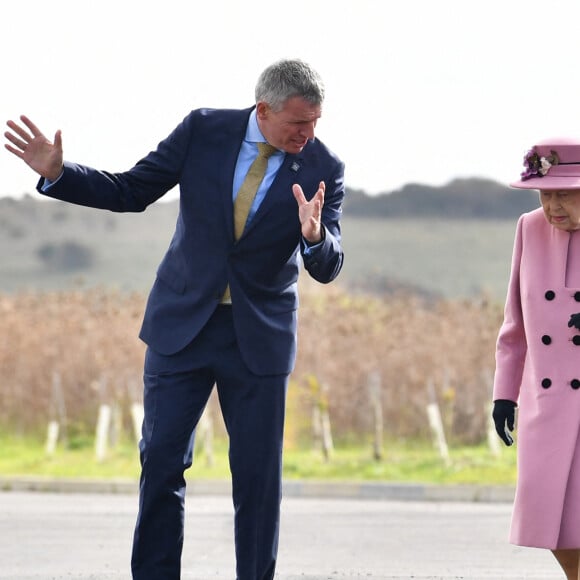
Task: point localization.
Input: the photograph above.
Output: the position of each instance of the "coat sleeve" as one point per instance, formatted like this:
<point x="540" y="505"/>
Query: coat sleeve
<point x="511" y="346"/>
<point x="325" y="262"/>
<point x="129" y="191"/>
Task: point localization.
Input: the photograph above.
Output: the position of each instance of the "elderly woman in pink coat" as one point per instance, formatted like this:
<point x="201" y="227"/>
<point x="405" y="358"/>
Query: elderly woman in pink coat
<point x="538" y="357"/>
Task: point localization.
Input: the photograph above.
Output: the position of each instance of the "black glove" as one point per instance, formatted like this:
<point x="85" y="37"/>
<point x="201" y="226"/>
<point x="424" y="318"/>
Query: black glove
<point x="504" y="418"/>
<point x="574" y="321"/>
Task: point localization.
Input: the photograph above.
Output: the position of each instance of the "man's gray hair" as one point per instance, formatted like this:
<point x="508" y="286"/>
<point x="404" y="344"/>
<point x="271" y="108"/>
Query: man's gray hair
<point x="286" y="79"/>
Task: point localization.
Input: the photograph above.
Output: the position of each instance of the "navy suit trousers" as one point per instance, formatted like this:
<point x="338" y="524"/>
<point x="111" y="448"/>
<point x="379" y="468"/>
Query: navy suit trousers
<point x="176" y="390"/>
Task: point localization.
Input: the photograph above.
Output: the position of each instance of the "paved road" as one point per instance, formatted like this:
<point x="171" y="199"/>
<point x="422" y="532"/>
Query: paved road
<point x="82" y="536"/>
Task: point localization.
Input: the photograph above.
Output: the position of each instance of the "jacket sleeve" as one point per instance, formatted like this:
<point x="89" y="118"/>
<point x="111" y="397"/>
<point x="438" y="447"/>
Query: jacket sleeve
<point x="129" y="191"/>
<point x="511" y="346"/>
<point x="324" y="261"/>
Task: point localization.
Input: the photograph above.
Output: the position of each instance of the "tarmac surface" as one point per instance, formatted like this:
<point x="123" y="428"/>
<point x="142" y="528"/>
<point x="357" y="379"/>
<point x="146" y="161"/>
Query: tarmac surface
<point x="83" y="530"/>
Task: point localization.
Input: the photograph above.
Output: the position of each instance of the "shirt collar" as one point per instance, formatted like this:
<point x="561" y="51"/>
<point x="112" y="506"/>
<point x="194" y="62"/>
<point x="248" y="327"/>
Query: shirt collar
<point x="253" y="133"/>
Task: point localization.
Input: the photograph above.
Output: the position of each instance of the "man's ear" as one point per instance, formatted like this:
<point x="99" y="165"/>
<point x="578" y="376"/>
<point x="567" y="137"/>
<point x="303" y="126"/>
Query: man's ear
<point x="262" y="110"/>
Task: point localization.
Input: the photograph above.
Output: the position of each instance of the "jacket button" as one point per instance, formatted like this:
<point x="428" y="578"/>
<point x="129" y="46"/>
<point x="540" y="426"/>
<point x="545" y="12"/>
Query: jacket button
<point x="550" y="295"/>
<point x="575" y="384"/>
<point x="546" y="339"/>
<point x="577" y="296"/>
<point x="546" y="383"/>
<point x="576" y="340"/>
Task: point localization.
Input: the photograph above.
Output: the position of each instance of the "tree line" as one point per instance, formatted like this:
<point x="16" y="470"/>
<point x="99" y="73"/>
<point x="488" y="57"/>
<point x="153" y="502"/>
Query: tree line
<point x="461" y="198"/>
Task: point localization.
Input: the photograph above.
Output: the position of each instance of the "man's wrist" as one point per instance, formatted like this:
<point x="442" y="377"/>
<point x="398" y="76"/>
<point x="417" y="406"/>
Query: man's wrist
<point x="48" y="183"/>
<point x="315" y="242"/>
<point x="54" y="175"/>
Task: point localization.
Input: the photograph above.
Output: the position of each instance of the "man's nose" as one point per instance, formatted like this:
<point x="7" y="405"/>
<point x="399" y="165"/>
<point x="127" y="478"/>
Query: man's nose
<point x="308" y="131"/>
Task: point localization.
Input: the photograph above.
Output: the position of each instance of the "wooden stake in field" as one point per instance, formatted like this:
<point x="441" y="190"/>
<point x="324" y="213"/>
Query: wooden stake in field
<point x="321" y="417"/>
<point x="102" y="435"/>
<point x="58" y="422"/>
<point x="436" y="424"/>
<point x="137" y="415"/>
<point x="492" y="438"/>
<point x="205" y="432"/>
<point x="374" y="387"/>
<point x="52" y="437"/>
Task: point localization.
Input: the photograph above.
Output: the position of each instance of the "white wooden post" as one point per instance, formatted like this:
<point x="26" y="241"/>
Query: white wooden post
<point x="324" y="417"/>
<point x="205" y="432"/>
<point x="374" y="386"/>
<point x="59" y="405"/>
<point x="137" y="415"/>
<point x="103" y="425"/>
<point x="321" y="428"/>
<point x="327" y="442"/>
<point x="52" y="437"/>
<point x="492" y="437"/>
<point x="436" y="424"/>
<point x="316" y="425"/>
<point x="493" y="440"/>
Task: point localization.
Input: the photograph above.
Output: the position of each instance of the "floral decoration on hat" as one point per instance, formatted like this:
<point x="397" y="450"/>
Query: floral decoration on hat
<point x="536" y="166"/>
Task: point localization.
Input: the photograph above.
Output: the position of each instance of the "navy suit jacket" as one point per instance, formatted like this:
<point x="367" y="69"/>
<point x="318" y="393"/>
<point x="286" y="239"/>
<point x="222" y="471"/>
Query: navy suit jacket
<point x="261" y="268"/>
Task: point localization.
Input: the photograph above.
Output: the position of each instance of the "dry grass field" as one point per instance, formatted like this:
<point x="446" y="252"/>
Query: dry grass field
<point x="62" y="354"/>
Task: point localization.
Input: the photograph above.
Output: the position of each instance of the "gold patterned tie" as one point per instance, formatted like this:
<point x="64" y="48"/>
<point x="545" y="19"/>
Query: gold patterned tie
<point x="246" y="195"/>
<point x="249" y="187"/>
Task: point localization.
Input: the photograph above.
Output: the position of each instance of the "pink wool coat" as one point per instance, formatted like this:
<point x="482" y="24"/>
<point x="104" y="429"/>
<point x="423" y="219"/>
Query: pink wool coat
<point x="538" y="365"/>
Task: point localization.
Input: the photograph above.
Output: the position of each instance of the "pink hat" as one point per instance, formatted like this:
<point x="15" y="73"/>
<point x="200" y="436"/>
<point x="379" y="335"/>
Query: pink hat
<point x="551" y="164"/>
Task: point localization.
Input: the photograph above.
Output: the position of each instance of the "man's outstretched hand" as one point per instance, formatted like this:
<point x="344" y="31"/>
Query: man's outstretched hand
<point x="28" y="143"/>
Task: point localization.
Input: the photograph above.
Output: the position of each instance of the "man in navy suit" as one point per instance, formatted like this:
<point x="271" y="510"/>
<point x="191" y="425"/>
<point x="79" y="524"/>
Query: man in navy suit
<point x="223" y="308"/>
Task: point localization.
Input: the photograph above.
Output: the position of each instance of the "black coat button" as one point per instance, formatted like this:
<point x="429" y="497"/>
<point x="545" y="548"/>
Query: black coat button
<point x="546" y="339"/>
<point x="576" y="340"/>
<point x="575" y="384"/>
<point x="550" y="295"/>
<point x="546" y="383"/>
<point x="577" y="296"/>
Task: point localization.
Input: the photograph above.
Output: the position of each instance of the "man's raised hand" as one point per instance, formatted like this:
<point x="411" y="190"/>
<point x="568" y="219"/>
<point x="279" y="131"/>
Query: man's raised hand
<point x="310" y="212"/>
<point x="29" y="144"/>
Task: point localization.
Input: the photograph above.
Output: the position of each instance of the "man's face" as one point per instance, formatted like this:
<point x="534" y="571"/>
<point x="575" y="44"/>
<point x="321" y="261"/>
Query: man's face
<point x="290" y="128"/>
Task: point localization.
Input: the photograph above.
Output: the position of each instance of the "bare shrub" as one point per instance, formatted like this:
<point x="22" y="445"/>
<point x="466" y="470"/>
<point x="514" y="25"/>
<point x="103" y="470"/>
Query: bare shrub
<point x="86" y="338"/>
<point x="414" y="345"/>
<point x="66" y="256"/>
<point x="417" y="348"/>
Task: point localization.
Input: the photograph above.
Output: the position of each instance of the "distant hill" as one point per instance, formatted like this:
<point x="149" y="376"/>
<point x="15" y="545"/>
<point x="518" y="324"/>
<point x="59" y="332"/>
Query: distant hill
<point x="459" y="199"/>
<point x="451" y="241"/>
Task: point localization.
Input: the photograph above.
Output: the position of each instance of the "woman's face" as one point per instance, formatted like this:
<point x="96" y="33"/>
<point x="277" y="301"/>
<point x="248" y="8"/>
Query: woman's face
<point x="562" y="208"/>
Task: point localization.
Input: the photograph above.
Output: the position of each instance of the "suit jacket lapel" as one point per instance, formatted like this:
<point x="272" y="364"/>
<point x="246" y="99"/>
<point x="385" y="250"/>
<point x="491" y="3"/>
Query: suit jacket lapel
<point x="280" y="191"/>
